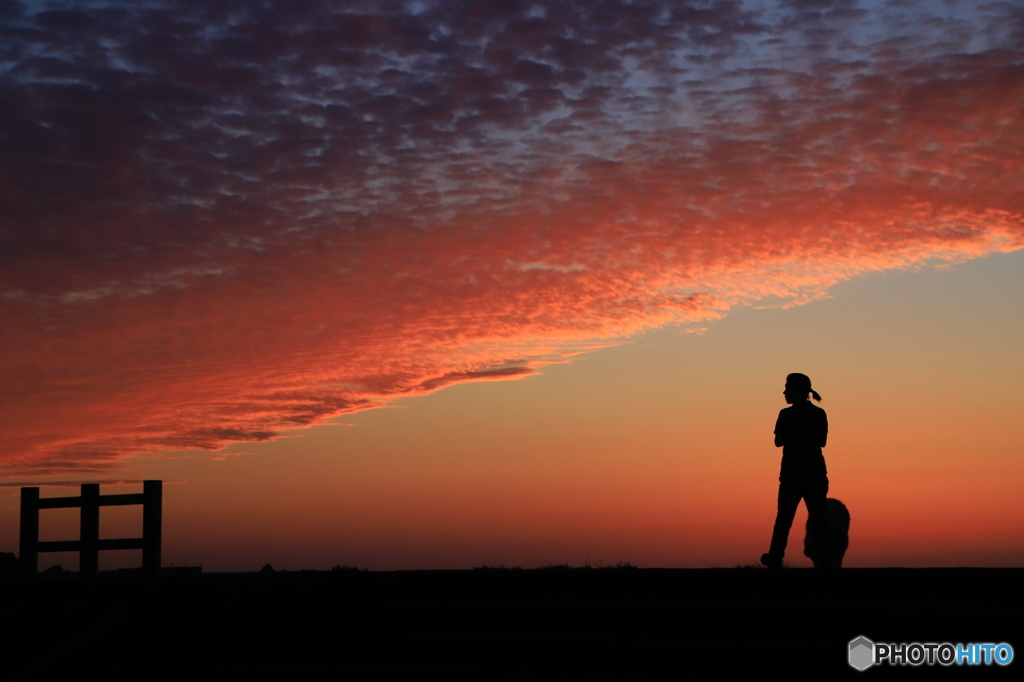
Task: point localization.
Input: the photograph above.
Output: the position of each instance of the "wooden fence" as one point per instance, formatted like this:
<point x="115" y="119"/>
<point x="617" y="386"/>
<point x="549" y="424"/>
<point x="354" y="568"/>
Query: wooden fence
<point x="89" y="544"/>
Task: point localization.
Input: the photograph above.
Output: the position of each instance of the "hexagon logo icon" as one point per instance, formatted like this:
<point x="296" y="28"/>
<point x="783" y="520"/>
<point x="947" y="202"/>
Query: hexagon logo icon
<point x="862" y="653"/>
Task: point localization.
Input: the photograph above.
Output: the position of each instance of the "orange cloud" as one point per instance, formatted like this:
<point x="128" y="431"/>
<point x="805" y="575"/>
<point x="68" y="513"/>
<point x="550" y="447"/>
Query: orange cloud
<point x="250" y="222"/>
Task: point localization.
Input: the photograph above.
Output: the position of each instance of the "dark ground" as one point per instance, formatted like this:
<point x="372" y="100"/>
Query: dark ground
<point x="497" y="624"/>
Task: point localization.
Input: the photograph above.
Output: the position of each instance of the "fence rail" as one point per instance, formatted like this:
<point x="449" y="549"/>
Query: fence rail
<point x="89" y="544"/>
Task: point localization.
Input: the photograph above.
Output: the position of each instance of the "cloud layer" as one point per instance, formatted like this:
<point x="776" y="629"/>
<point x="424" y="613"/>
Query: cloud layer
<point x="225" y="219"/>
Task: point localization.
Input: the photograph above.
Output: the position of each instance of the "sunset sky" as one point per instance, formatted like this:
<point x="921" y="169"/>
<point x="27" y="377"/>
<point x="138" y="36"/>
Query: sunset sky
<point x="445" y="284"/>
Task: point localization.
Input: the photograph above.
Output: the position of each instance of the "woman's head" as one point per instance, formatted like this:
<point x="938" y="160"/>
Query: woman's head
<point x="798" y="388"/>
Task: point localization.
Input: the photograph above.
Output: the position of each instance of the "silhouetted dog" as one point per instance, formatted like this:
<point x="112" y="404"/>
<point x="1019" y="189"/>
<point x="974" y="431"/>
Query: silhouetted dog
<point x="839" y="528"/>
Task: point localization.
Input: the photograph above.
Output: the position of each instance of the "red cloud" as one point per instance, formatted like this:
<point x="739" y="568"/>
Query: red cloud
<point x="232" y="224"/>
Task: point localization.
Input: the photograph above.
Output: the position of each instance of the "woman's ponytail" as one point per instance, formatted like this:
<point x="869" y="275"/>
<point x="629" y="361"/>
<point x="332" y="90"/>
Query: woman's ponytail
<point x="814" y="394"/>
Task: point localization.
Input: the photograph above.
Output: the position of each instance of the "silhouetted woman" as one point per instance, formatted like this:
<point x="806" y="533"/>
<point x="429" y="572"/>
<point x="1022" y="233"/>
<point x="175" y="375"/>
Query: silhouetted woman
<point x="801" y="431"/>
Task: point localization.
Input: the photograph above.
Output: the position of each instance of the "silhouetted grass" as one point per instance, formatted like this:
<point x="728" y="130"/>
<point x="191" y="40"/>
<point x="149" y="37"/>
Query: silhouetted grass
<point x="497" y="567"/>
<point x="620" y="565"/>
<point x="586" y="566"/>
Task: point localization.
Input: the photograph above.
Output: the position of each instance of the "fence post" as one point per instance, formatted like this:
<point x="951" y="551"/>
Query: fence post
<point x="152" y="524"/>
<point x="28" y="558"/>
<point x="89" y="535"/>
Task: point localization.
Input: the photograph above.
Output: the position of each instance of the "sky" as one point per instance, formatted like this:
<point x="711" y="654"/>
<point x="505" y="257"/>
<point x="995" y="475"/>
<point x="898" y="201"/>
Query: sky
<point x="450" y="284"/>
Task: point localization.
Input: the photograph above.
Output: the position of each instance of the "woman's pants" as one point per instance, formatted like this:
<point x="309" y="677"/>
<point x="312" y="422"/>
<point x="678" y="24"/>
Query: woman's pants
<point x="812" y="489"/>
